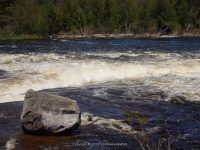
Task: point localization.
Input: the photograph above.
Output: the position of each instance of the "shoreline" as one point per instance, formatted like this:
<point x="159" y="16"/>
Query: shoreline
<point x="21" y="37"/>
<point x="118" y="36"/>
<point x="97" y="36"/>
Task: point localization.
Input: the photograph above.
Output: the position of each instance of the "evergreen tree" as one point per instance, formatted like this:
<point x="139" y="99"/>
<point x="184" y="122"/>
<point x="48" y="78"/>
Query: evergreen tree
<point x="99" y="16"/>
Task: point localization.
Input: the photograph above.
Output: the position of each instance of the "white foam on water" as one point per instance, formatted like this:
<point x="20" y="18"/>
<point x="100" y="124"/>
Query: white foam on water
<point x="42" y="71"/>
<point x="113" y="55"/>
<point x="10" y="145"/>
<point x="87" y="118"/>
<point x="114" y="124"/>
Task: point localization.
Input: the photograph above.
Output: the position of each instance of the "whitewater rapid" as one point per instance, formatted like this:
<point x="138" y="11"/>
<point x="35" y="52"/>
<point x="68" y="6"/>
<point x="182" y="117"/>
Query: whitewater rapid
<point x="170" y="72"/>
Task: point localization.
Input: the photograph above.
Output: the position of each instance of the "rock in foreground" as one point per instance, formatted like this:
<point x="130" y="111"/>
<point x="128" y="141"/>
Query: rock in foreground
<point x="44" y="113"/>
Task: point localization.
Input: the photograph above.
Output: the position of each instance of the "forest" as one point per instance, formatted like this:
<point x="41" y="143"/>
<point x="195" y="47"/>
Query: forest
<point x="47" y="17"/>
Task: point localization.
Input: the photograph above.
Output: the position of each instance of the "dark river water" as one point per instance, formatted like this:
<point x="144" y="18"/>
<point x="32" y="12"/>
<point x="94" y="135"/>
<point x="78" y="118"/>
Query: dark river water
<point x="130" y="87"/>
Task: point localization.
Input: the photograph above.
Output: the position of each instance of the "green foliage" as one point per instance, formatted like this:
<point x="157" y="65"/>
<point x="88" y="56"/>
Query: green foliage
<point x="145" y="140"/>
<point x="98" y="16"/>
<point x="141" y="119"/>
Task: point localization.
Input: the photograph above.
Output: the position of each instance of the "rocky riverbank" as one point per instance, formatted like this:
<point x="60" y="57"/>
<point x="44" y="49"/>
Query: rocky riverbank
<point x="130" y="35"/>
<point x="96" y="36"/>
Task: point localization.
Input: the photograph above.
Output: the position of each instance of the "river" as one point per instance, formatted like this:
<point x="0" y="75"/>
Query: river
<point x="110" y="78"/>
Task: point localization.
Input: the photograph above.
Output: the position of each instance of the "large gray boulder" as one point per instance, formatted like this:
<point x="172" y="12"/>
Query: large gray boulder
<point x="44" y="113"/>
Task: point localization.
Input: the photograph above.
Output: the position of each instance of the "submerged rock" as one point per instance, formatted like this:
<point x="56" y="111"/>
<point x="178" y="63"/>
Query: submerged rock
<point x="178" y="100"/>
<point x="119" y="125"/>
<point x="44" y="113"/>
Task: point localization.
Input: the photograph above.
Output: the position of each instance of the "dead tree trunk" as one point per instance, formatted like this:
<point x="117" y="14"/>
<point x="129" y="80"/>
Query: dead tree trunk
<point x="188" y="27"/>
<point x="164" y="31"/>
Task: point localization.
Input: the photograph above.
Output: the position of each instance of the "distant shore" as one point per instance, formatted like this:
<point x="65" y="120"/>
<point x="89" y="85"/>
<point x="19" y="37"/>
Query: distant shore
<point x="94" y="36"/>
<point x="21" y="37"/>
<point x="115" y="36"/>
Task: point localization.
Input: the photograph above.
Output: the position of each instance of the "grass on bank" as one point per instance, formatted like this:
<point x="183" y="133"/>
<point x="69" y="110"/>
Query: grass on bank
<point x="9" y="35"/>
<point x="20" y="37"/>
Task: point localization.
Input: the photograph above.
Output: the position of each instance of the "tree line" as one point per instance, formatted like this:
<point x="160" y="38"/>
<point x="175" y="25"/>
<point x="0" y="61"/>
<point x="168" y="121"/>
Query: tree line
<point x="98" y="16"/>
